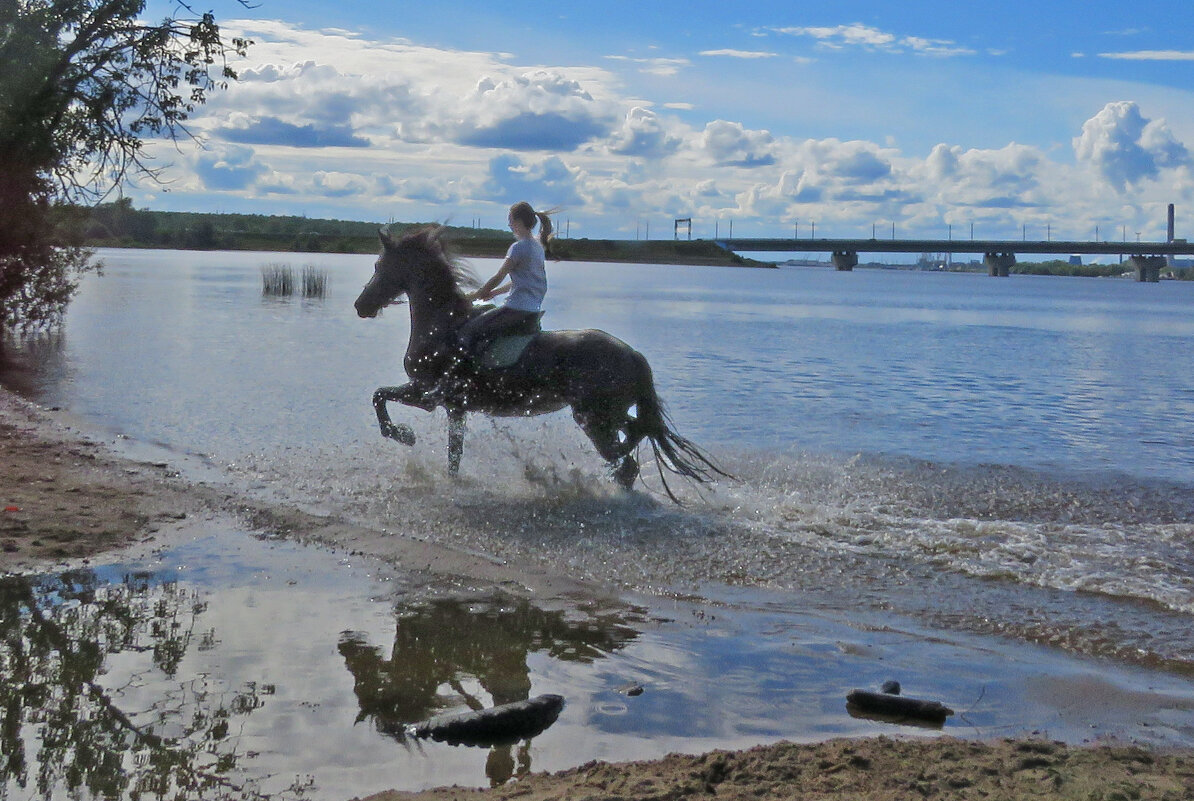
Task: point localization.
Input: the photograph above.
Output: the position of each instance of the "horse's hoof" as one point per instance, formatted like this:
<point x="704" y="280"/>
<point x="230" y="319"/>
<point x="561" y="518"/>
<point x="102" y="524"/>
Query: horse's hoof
<point x="626" y="474"/>
<point x="399" y="432"/>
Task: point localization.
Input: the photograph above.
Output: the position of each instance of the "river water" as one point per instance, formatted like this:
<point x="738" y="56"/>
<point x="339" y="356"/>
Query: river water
<point x="968" y="457"/>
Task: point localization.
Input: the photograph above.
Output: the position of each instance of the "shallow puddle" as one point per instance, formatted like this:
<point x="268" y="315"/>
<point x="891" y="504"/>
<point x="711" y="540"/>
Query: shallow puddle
<point x="231" y="665"/>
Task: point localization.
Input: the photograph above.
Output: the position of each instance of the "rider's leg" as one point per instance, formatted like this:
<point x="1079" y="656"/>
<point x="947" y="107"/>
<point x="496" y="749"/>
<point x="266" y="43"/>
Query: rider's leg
<point x="489" y="325"/>
<point x="478" y="327"/>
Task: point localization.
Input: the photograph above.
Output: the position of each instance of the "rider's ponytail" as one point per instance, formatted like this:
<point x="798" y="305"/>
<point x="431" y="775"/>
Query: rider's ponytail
<point x="545" y="233"/>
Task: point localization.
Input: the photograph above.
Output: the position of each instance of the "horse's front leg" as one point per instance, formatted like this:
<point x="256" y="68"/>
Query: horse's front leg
<point x="408" y="395"/>
<point x="456" y="428"/>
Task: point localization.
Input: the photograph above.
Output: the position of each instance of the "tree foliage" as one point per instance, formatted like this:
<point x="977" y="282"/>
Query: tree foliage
<point x="84" y="84"/>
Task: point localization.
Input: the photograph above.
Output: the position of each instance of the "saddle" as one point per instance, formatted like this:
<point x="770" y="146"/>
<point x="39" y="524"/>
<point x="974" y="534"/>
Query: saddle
<point x="505" y="349"/>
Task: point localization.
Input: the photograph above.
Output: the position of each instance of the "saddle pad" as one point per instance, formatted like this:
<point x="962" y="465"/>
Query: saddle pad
<point x="504" y="351"/>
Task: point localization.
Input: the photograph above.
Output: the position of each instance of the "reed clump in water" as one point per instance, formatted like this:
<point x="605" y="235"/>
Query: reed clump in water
<point x="315" y="282"/>
<point x="278" y="280"/>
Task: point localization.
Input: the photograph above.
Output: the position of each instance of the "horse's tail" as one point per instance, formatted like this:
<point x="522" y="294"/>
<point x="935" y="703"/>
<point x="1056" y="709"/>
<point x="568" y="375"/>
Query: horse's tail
<point x="678" y="454"/>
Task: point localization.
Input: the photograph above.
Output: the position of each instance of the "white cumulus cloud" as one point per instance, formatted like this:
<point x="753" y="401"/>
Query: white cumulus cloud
<point x="730" y="143"/>
<point x="865" y="36"/>
<point x="1125" y="148"/>
<point x="644" y="134"/>
<point x="745" y="54"/>
<point x="1003" y="178"/>
<point x="539" y="110"/>
<point x="337" y="123"/>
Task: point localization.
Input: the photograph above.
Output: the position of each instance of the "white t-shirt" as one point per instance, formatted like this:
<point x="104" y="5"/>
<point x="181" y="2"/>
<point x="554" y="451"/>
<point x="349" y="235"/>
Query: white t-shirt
<point x="528" y="276"/>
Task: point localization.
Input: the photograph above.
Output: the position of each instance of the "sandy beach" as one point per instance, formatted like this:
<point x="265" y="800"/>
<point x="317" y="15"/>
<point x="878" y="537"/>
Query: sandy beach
<point x="67" y="499"/>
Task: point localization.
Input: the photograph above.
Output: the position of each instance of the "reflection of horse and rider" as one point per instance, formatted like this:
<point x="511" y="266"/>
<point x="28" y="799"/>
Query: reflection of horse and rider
<point x="496" y="360"/>
<point x="442" y="648"/>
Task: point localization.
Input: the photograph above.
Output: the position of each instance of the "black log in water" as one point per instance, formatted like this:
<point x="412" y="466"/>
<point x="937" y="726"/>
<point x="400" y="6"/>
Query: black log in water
<point x="896" y="708"/>
<point x="507" y="723"/>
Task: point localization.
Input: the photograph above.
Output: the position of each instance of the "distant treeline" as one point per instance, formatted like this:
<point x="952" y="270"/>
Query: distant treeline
<point x="118" y="224"/>
<point x="1062" y="267"/>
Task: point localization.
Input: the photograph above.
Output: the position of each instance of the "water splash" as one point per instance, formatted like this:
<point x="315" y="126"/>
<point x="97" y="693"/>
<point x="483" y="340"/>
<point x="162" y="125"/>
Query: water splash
<point x="986" y="548"/>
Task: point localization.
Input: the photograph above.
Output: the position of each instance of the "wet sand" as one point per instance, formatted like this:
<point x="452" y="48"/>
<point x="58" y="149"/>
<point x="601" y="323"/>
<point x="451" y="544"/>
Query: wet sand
<point x="878" y="769"/>
<point x="68" y="500"/>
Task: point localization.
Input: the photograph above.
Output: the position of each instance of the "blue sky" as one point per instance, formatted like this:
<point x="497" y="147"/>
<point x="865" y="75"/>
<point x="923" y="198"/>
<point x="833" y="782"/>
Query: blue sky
<point x="1014" y="118"/>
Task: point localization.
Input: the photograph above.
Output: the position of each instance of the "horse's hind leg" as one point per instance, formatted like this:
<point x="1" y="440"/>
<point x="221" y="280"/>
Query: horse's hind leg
<point x="456" y="428"/>
<point x="399" y="432"/>
<point x="627" y="472"/>
<point x="609" y="434"/>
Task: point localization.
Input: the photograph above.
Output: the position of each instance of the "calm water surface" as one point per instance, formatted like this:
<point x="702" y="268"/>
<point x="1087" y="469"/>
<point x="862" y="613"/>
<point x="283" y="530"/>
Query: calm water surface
<point x="994" y="458"/>
<point x="1069" y="375"/>
<point x="233" y="667"/>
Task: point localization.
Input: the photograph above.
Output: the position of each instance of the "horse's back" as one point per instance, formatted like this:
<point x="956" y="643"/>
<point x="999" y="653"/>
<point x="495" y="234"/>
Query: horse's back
<point x="580" y="343"/>
<point x="586" y="361"/>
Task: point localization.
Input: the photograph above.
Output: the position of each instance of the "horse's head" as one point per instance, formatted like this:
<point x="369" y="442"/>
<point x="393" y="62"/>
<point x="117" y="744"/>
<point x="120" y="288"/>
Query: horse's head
<point x="417" y="264"/>
<point x="389" y="281"/>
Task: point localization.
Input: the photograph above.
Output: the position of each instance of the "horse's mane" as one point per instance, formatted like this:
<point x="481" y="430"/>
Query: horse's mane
<point x="438" y="258"/>
<point x="447" y="272"/>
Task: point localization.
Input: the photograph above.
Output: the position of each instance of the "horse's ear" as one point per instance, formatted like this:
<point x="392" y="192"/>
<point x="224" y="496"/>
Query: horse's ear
<point x="386" y="240"/>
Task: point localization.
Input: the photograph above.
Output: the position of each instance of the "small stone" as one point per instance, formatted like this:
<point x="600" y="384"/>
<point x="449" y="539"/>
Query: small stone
<point x="890" y="687"/>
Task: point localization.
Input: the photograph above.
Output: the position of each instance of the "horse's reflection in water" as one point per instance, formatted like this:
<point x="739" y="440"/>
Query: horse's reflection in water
<point x="607" y="384"/>
<point x="442" y="650"/>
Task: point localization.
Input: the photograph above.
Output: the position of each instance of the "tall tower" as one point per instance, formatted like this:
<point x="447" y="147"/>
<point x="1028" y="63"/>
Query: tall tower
<point x="1169" y="238"/>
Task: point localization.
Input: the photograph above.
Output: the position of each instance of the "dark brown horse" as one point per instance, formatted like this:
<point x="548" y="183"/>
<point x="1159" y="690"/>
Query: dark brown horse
<point x="607" y="383"/>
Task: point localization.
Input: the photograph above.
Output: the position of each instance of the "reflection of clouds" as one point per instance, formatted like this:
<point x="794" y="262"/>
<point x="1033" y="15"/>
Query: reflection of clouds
<point x="274" y="613"/>
<point x="702" y="680"/>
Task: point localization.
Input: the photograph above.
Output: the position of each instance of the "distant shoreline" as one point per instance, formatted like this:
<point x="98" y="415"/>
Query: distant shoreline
<point x="696" y="253"/>
<point x="120" y="225"/>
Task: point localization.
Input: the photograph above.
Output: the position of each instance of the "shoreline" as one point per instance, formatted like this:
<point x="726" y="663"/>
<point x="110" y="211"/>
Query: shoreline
<point x="69" y="499"/>
<point x="683" y="253"/>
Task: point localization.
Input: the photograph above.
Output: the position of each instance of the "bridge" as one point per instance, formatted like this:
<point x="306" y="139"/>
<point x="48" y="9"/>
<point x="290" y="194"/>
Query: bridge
<point x="1146" y="258"/>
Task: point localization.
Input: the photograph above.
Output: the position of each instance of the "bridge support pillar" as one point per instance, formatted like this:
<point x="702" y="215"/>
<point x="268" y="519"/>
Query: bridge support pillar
<point x="845" y="260"/>
<point x="1148" y="268"/>
<point x="999" y="264"/>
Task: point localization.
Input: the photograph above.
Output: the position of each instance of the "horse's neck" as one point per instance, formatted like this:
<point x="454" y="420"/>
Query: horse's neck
<point x="432" y="324"/>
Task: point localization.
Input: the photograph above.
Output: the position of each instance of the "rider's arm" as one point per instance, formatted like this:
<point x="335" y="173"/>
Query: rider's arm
<point x="501" y="290"/>
<point x="488" y="289"/>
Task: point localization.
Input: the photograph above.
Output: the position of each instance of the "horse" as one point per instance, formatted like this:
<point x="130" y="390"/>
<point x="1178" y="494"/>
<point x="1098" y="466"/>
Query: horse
<point x="608" y="385"/>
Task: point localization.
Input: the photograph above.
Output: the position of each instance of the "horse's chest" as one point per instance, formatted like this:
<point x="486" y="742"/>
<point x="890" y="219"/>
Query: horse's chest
<point x="427" y="363"/>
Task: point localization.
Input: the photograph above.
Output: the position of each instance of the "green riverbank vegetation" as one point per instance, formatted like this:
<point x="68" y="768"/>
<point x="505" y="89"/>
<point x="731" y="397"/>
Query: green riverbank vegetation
<point x="118" y="224"/>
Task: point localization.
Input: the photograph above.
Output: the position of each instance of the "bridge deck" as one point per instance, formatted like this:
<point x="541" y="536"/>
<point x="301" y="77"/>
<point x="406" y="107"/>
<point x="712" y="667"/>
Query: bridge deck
<point x="1178" y="248"/>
